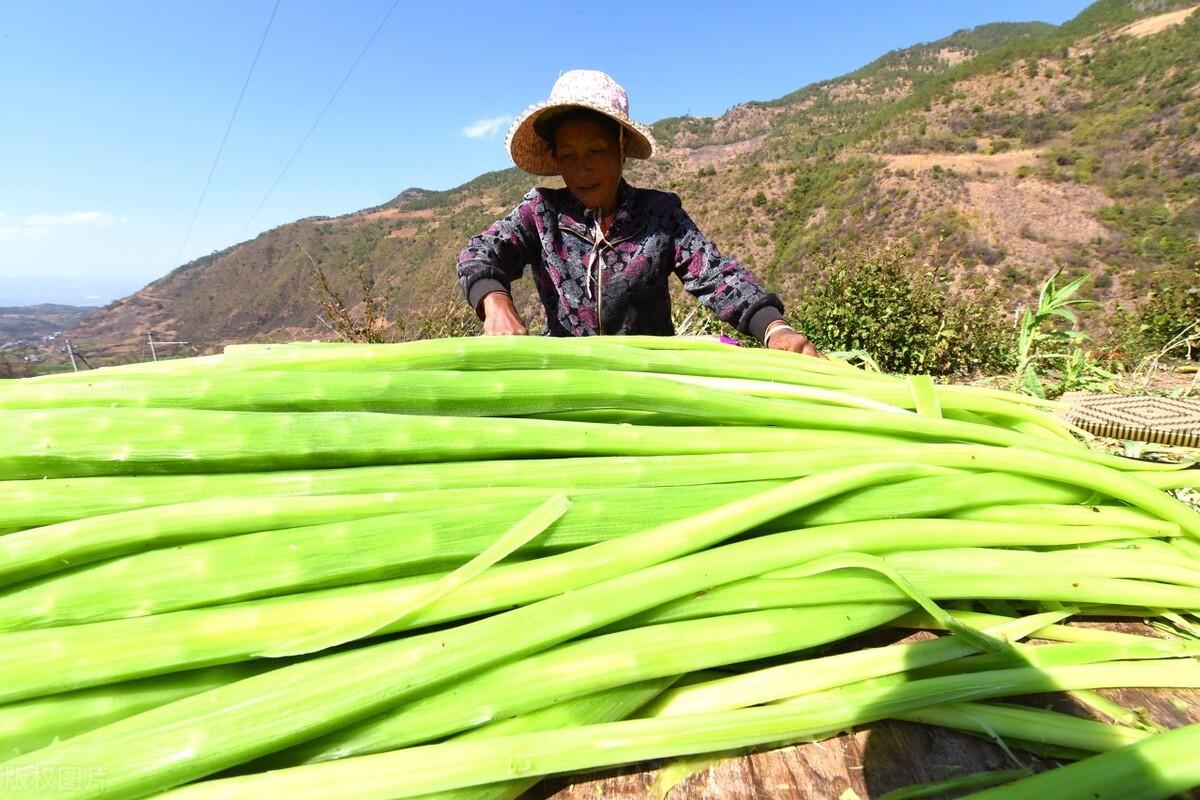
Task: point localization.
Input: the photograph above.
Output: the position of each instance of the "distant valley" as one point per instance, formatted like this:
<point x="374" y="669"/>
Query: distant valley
<point x="23" y="325"/>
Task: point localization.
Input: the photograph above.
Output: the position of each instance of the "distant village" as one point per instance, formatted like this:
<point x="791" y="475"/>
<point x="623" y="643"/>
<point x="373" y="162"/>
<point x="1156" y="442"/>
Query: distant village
<point x="29" y="355"/>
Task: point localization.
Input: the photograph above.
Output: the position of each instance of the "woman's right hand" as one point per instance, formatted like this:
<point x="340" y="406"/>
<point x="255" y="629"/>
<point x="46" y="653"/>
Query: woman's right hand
<point x="500" y="317"/>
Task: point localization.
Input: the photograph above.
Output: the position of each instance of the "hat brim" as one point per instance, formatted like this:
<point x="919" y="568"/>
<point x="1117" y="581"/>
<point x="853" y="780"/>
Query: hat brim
<point x="531" y="152"/>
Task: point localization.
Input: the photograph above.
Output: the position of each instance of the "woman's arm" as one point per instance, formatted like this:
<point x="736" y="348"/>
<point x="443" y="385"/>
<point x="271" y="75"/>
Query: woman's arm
<point x="726" y="287"/>
<point x="491" y="261"/>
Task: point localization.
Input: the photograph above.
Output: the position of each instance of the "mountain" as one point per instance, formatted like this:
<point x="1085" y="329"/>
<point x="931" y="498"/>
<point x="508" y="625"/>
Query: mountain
<point x="29" y="335"/>
<point x="997" y="154"/>
<point x="23" y="325"/>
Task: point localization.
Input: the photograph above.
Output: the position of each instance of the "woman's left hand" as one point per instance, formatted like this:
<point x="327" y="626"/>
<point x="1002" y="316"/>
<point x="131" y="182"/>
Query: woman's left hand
<point x="794" y="343"/>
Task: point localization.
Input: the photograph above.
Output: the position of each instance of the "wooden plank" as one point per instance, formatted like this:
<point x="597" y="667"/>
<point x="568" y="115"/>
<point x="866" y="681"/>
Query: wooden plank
<point x="867" y="762"/>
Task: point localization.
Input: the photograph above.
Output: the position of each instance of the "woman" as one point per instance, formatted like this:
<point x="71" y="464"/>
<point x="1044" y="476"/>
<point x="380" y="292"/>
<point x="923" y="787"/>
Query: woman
<point x="600" y="250"/>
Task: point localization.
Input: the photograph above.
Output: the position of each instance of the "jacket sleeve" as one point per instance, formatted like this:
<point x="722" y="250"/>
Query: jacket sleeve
<point x="495" y="258"/>
<point x="721" y="283"/>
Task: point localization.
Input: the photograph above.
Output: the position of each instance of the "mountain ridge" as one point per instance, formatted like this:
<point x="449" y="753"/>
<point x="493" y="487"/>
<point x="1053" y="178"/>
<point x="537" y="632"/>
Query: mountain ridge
<point x="775" y="181"/>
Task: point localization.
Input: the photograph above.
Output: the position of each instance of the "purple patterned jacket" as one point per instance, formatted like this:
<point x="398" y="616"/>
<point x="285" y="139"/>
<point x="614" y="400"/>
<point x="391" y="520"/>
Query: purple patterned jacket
<point x="651" y="236"/>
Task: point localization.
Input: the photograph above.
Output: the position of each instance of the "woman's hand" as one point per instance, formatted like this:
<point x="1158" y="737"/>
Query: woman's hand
<point x="793" y="342"/>
<point x="500" y="317"/>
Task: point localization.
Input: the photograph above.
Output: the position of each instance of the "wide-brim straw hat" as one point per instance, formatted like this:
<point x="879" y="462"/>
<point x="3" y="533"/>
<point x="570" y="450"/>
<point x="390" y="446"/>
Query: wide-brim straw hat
<point x="578" y="88"/>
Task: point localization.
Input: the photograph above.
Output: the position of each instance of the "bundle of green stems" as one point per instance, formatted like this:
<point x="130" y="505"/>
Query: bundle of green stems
<point x="450" y="568"/>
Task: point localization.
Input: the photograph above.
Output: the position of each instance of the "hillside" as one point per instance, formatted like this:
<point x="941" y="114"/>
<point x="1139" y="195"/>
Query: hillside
<point x="29" y="334"/>
<point x="997" y="154"/>
<point x="26" y="324"/>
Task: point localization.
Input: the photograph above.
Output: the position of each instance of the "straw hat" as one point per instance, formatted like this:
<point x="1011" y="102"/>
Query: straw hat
<point x="578" y="88"/>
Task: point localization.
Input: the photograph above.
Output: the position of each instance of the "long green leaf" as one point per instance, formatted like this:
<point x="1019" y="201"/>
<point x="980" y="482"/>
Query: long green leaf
<point x="1152" y="769"/>
<point x="362" y="626"/>
<point x="404" y="773"/>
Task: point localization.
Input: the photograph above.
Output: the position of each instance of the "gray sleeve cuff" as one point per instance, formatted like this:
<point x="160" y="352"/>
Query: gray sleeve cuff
<point x="482" y="288"/>
<point x="761" y="319"/>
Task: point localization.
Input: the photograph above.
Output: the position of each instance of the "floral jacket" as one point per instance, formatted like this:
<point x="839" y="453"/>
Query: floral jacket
<point x="651" y="236"/>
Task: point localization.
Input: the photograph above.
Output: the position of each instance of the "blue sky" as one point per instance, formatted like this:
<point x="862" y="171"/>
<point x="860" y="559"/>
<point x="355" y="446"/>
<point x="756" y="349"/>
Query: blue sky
<point x="111" y="113"/>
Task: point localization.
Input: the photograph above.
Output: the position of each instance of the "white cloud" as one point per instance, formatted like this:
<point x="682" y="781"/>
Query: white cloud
<point x="35" y="226"/>
<point x="485" y="127"/>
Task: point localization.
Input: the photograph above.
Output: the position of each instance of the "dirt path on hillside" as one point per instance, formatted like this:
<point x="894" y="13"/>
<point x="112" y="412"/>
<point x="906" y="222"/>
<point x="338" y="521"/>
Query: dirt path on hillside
<point x="1152" y="25"/>
<point x="374" y="216"/>
<point x="392" y="213"/>
<point x="1004" y="163"/>
<point x="718" y="155"/>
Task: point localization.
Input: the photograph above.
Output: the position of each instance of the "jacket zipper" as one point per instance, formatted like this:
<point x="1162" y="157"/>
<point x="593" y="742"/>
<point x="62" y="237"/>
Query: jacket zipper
<point x="600" y="265"/>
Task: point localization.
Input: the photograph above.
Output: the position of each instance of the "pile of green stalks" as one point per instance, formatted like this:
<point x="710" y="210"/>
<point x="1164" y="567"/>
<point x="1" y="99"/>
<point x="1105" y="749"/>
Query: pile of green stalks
<point x="449" y="568"/>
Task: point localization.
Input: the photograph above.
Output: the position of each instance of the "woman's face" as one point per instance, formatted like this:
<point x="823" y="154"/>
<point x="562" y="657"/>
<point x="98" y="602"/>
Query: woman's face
<point x="589" y="160"/>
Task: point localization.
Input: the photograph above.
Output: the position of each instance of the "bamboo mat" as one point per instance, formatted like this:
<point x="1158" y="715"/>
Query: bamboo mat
<point x="1162" y="420"/>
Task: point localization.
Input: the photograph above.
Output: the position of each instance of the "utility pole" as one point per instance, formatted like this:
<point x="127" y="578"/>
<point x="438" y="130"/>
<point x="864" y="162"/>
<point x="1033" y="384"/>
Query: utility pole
<point x="71" y="353"/>
<point x="153" y="349"/>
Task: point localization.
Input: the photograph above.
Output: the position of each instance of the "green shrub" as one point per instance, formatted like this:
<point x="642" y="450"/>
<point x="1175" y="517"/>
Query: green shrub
<point x="1013" y="276"/>
<point x="883" y="301"/>
<point x="1155" y="232"/>
<point x="1171" y="314"/>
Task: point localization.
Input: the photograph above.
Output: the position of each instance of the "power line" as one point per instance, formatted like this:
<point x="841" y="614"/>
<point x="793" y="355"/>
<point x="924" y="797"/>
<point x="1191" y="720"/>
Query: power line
<point x="317" y="121"/>
<point x="225" y="138"/>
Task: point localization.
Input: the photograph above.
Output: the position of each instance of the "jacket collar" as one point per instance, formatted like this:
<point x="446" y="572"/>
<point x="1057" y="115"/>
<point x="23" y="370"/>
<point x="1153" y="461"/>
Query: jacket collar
<point x="573" y="215"/>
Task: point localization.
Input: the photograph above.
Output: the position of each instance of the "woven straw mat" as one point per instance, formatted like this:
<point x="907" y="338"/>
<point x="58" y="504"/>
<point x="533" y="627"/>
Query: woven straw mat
<point x="1163" y="420"/>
